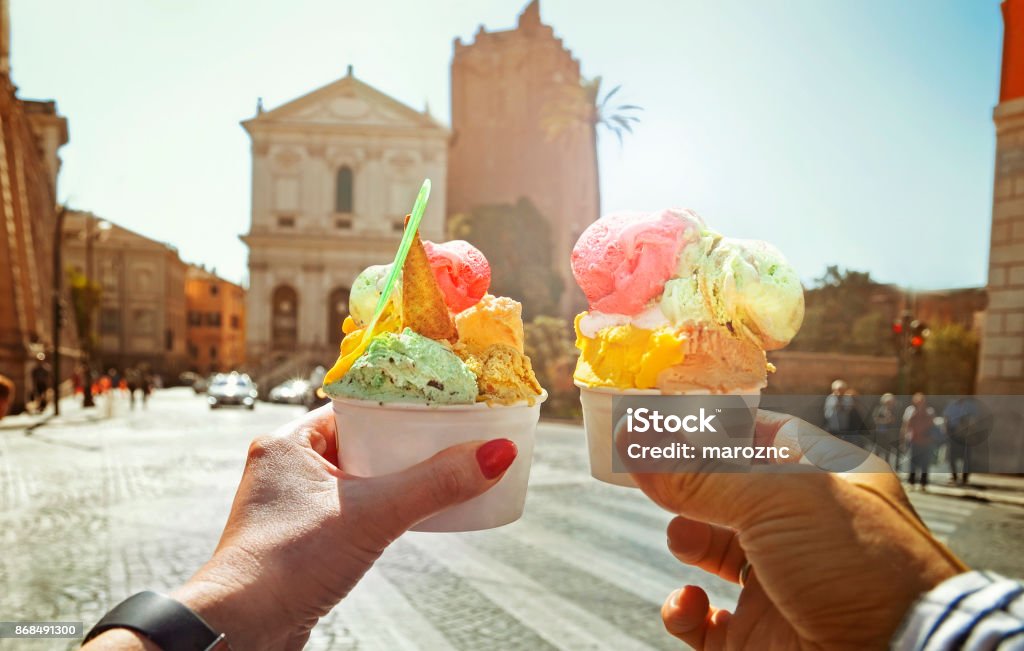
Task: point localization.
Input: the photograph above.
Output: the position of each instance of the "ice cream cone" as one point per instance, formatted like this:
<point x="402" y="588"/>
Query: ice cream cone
<point x="597" y="403"/>
<point x="381" y="438"/>
<point x="423" y="306"/>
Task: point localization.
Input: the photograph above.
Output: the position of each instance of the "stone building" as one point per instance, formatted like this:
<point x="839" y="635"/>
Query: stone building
<point x="334" y="172"/>
<point x="216" y="322"/>
<point x="1001" y="367"/>
<point x="30" y="135"/>
<point x="502" y="85"/>
<point x="141" y="318"/>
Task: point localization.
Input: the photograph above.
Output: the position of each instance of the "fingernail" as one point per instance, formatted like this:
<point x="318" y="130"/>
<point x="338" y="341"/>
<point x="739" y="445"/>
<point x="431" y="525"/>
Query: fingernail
<point x="677" y="596"/>
<point x="495" y="457"/>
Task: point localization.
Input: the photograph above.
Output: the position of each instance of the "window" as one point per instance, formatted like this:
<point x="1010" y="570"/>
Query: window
<point x="236" y="322"/>
<point x="337" y="310"/>
<point x="213" y="318"/>
<point x="195" y="318"/>
<point x="286" y="221"/>
<point x="214" y="289"/>
<point x="213" y="352"/>
<point x="168" y="339"/>
<point x="108" y="276"/>
<point x="343" y="190"/>
<point x="110" y="321"/>
<point x="144" y="321"/>
<point x="284" y="322"/>
<point x="343" y="224"/>
<point x="286" y="194"/>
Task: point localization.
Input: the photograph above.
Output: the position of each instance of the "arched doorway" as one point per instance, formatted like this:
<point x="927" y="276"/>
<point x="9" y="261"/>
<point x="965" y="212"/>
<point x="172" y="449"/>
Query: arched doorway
<point x="284" y="318"/>
<point x="337" y="310"/>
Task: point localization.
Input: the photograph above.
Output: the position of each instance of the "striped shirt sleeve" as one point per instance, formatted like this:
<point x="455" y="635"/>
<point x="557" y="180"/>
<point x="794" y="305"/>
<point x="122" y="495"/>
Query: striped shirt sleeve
<point x="976" y="611"/>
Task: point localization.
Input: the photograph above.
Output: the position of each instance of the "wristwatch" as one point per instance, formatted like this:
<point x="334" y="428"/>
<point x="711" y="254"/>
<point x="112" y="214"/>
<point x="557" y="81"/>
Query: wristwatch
<point x="168" y="623"/>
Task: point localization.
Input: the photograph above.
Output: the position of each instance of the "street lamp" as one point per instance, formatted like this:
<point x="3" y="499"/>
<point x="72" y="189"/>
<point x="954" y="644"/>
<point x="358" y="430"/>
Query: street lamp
<point x="58" y="272"/>
<point x="102" y="228"/>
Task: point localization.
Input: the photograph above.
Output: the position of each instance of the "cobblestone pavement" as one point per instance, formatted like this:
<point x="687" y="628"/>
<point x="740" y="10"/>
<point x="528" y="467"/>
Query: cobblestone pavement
<point x="91" y="512"/>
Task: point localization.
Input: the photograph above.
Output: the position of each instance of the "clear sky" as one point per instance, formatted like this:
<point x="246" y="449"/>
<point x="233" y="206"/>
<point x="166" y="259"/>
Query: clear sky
<point x="851" y="133"/>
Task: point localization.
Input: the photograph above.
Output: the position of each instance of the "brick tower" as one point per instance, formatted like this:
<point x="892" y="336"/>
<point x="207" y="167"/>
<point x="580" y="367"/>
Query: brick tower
<point x="502" y="84"/>
<point x="1001" y="368"/>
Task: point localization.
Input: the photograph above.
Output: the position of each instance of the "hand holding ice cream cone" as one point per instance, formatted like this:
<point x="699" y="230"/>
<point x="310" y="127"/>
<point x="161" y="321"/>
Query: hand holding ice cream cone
<point x="415" y="387"/>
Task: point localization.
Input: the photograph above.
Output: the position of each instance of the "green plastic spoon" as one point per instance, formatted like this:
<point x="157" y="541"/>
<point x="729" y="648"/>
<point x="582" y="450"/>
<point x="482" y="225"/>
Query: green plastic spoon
<point x="345" y="362"/>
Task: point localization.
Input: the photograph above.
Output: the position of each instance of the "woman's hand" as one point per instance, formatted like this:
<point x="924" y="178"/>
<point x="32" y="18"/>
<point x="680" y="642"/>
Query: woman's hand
<point x="301" y="533"/>
<point x="837" y="559"/>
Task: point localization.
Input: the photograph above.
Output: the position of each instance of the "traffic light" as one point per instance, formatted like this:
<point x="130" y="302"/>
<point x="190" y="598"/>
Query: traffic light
<point x="901" y="331"/>
<point x="918" y="335"/>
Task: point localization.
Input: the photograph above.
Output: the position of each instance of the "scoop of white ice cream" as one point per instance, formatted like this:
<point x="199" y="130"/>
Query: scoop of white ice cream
<point x="366" y="291"/>
<point x="753" y="290"/>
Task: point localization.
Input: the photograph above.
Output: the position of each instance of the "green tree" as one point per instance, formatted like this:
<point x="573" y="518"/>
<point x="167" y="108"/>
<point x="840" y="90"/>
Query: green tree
<point x="870" y="335"/>
<point x="840" y="315"/>
<point x="950" y="360"/>
<point x="550" y="346"/>
<point x="85" y="300"/>
<point x="581" y="110"/>
<point x="517" y="242"/>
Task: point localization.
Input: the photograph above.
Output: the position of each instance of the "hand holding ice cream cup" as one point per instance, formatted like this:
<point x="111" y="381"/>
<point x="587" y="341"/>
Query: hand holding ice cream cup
<point x="430" y="360"/>
<point x="679" y="316"/>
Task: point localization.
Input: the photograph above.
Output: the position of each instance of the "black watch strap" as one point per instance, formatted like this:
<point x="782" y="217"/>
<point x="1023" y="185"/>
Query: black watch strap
<point x="168" y="623"/>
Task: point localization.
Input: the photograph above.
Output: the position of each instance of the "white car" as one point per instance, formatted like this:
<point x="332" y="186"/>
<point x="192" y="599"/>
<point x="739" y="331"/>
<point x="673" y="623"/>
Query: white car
<point x="231" y="389"/>
<point x="292" y="392"/>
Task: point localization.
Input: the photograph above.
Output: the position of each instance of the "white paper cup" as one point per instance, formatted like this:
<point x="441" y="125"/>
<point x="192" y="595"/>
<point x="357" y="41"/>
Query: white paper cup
<point x="597" y="421"/>
<point x="381" y="438"/>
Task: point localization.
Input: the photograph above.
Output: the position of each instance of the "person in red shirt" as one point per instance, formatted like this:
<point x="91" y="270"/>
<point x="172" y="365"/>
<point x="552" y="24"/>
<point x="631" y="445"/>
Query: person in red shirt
<point x="918" y="426"/>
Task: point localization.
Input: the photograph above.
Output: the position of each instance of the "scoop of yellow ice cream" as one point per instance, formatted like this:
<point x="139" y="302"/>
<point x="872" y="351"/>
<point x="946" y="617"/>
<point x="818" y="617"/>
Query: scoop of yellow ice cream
<point x="493" y="320"/>
<point x="627" y="357"/>
<point x="504" y="375"/>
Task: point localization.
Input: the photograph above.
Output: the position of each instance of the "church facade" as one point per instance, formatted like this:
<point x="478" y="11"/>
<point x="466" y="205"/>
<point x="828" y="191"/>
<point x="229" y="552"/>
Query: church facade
<point x="334" y="173"/>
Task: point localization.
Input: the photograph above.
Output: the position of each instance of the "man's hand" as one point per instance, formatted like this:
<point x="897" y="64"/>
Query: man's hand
<point x="837" y="559"/>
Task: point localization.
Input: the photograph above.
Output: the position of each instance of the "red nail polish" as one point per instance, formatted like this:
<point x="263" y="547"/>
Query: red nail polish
<point x="496" y="456"/>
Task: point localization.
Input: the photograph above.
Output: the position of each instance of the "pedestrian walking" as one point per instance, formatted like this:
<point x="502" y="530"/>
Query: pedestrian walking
<point x="919" y="433"/>
<point x="837" y="409"/>
<point x="40" y="383"/>
<point x="858" y="431"/>
<point x="967" y="424"/>
<point x="6" y="393"/>
<point x="134" y="385"/>
<point x="147" y="388"/>
<point x="886" y="421"/>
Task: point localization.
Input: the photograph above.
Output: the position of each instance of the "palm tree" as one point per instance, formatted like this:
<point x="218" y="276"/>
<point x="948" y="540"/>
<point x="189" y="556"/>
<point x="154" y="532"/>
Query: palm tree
<point x="580" y="109"/>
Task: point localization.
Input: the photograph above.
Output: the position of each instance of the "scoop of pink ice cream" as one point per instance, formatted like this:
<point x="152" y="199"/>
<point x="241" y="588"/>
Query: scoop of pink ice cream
<point x="461" y="270"/>
<point x="622" y="261"/>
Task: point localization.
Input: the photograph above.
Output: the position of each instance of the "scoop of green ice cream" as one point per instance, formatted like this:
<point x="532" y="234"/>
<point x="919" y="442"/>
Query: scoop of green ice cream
<point x="407" y="367"/>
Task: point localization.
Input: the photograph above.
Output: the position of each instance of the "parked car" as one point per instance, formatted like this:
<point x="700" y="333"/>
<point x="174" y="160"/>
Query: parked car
<point x="194" y="380"/>
<point x="292" y="392"/>
<point x="231" y="389"/>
